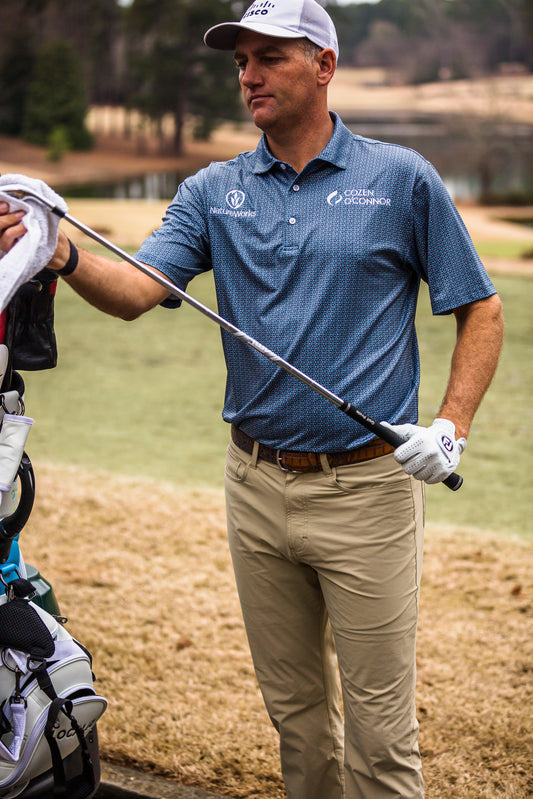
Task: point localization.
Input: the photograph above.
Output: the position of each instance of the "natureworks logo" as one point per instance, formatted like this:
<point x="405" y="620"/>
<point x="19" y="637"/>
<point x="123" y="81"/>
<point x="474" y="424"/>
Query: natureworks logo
<point x="259" y="9"/>
<point x="235" y="198"/>
<point x="361" y="197"/>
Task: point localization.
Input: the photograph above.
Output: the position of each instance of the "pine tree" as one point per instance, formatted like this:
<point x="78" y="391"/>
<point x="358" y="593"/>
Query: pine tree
<point x="174" y="71"/>
<point x="56" y="98"/>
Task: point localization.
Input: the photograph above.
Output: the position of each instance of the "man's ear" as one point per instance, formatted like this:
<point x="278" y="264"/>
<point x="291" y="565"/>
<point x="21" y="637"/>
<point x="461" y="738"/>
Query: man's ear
<point x="327" y="64"/>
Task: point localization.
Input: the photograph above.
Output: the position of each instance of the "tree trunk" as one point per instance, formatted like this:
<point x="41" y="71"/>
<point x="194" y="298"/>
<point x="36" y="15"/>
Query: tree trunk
<point x="179" y="121"/>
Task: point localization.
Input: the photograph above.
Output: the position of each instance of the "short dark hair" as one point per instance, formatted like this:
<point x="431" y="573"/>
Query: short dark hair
<point x="310" y="49"/>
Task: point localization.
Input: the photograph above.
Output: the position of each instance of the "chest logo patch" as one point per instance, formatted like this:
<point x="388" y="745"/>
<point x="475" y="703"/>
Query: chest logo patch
<point x="334" y="198"/>
<point x="235" y="199"/>
<point x="360" y="197"/>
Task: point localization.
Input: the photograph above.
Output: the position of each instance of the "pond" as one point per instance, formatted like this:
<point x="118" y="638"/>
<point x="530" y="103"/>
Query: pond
<point x="473" y="158"/>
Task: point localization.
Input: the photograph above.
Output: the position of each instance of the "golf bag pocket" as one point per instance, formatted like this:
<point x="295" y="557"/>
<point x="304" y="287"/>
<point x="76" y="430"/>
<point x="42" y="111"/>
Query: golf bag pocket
<point x="30" y="324"/>
<point x="13" y="436"/>
<point x="47" y="701"/>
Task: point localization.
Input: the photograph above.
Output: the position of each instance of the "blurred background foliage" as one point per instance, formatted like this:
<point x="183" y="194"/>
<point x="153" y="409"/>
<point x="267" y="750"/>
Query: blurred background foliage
<point x="58" y="57"/>
<point x="424" y="40"/>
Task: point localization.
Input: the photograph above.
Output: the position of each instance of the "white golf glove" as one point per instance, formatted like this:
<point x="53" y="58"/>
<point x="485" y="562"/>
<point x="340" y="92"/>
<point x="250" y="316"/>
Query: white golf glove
<point x="431" y="453"/>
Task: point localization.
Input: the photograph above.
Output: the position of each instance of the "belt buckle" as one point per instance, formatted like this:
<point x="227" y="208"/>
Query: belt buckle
<point x="279" y="463"/>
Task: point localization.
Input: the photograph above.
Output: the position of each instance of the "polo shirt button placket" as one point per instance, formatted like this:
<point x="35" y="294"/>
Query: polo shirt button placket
<point x="295" y="188"/>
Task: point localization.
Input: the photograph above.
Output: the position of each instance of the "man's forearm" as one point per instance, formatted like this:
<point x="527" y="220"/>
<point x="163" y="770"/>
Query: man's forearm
<point x="116" y="288"/>
<point x="474" y="361"/>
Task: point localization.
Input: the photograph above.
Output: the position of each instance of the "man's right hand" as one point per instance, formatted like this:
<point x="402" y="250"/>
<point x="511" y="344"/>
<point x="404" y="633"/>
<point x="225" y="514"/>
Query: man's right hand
<point x="11" y="227"/>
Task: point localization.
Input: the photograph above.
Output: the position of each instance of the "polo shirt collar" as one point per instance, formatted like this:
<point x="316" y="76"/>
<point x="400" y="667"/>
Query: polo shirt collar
<point x="335" y="152"/>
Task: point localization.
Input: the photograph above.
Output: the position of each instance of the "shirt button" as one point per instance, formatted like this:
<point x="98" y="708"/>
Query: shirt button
<point x="292" y="221"/>
<point x="296" y="187"/>
<point x="283" y="166"/>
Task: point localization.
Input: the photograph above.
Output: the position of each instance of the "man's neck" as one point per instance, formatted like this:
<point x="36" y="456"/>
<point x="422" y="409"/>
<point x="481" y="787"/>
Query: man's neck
<point x="300" y="145"/>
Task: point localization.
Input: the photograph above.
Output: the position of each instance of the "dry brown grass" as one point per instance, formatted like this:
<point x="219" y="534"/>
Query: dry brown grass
<point x="360" y="91"/>
<point x="144" y="574"/>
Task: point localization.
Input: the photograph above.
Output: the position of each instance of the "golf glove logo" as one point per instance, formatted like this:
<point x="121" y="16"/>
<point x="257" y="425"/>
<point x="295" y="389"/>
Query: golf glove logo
<point x="431" y="453"/>
<point x="447" y="443"/>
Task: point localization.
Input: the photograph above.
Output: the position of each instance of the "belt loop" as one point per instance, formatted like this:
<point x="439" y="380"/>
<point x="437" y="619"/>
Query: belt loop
<point x="255" y="455"/>
<point x="326" y="468"/>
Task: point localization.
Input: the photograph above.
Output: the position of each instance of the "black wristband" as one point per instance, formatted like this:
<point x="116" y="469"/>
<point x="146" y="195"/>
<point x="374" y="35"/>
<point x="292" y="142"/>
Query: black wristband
<point x="71" y="264"/>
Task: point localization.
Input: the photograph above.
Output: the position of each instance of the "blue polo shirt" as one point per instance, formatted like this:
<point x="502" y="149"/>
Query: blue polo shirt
<point x="322" y="267"/>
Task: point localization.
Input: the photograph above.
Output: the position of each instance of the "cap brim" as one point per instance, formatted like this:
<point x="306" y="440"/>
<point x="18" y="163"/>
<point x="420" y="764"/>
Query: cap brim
<point x="224" y="36"/>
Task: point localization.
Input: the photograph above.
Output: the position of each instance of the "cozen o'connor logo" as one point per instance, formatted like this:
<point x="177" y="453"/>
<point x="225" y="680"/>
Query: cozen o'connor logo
<point x="235" y="198"/>
<point x="447" y="443"/>
<point x="357" y="196"/>
<point x="334" y="198"/>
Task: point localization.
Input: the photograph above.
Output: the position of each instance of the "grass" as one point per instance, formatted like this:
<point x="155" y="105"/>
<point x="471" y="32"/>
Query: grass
<point x="141" y="398"/>
<point x="143" y="572"/>
<point x="129" y="527"/>
<point x="503" y="249"/>
<point x="497" y="464"/>
<point x="145" y="399"/>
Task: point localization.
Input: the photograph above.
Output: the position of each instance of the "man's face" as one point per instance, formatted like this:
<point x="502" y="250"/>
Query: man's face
<point x="277" y="79"/>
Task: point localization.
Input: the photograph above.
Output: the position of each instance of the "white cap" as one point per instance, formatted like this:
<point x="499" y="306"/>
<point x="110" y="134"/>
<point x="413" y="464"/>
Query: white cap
<point x="285" y="19"/>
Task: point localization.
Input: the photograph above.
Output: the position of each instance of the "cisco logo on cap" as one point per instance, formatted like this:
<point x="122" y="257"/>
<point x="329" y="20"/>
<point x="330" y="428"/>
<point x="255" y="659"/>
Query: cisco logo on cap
<point x="259" y="9"/>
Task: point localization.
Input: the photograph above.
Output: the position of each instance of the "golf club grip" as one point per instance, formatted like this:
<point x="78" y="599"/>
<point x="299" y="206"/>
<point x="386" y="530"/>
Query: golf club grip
<point x="454" y="481"/>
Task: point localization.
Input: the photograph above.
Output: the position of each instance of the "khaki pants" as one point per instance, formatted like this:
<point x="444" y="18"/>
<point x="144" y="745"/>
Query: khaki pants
<point x="328" y="569"/>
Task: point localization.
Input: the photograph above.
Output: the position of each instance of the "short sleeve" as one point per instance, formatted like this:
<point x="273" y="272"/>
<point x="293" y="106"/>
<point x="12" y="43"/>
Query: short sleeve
<point x="446" y="256"/>
<point x="180" y="246"/>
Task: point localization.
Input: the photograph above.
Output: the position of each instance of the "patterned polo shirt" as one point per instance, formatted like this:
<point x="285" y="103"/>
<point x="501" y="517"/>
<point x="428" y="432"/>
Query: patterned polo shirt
<point x="322" y="267"/>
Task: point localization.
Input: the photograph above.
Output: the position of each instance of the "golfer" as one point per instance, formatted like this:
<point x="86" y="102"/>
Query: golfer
<point x="318" y="241"/>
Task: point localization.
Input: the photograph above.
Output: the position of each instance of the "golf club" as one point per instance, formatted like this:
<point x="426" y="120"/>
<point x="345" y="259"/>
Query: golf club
<point x="453" y="481"/>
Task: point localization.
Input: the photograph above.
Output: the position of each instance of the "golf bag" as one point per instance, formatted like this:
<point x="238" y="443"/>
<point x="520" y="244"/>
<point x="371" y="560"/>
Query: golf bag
<point x="48" y="705"/>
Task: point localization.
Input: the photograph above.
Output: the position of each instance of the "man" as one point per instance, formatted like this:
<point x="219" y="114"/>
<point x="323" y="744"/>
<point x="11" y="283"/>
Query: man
<point x="318" y="240"/>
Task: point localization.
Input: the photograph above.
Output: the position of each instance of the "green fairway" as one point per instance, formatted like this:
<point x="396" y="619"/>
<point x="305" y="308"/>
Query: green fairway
<point x="503" y="249"/>
<point x="498" y="462"/>
<point x="145" y="399"/>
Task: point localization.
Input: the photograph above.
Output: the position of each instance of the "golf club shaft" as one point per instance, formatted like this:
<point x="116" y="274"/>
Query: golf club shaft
<point x="453" y="481"/>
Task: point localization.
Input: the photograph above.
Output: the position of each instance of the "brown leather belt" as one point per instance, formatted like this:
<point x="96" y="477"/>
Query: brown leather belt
<point x="310" y="461"/>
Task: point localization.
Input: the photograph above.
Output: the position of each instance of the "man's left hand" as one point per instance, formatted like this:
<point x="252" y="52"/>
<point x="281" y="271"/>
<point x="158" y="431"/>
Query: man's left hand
<point x="429" y="453"/>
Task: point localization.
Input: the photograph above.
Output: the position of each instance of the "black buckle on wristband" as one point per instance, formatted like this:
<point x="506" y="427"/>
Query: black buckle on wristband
<point x="71" y="264"/>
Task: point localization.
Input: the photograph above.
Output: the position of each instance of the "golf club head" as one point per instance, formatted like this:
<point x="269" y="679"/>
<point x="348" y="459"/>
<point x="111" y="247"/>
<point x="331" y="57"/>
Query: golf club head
<point x="21" y="192"/>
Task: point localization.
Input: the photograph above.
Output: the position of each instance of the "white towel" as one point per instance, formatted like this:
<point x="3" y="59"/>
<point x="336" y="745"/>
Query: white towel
<point x="34" y="250"/>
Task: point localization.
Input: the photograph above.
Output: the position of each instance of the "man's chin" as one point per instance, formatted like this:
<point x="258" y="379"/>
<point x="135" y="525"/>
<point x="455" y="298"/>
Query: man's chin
<point x="263" y="118"/>
<point x="263" y="122"/>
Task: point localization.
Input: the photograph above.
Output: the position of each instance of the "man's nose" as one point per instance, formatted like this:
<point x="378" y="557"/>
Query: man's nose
<point x="250" y="75"/>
